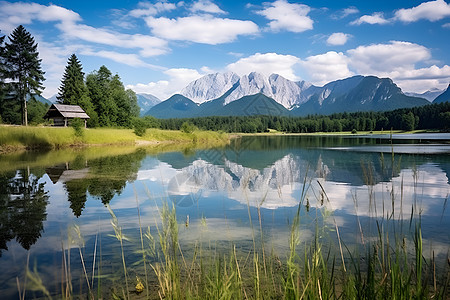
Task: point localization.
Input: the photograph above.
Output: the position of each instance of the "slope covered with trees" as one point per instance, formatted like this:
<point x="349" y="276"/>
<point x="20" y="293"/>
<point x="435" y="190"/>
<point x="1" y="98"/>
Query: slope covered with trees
<point x="434" y="116"/>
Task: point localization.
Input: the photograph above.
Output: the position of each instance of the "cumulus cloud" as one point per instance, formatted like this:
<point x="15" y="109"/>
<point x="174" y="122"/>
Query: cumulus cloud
<point x="375" y="18"/>
<point x="384" y="58"/>
<point x="206" y="6"/>
<point x="203" y="29"/>
<point x="398" y="60"/>
<point x="267" y="63"/>
<point x="178" y="78"/>
<point x="327" y="67"/>
<point x="286" y="16"/>
<point x="431" y="11"/>
<point x="338" y="38"/>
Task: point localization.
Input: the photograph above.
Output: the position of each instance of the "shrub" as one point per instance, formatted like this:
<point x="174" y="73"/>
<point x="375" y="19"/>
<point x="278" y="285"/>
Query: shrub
<point x="187" y="127"/>
<point x="78" y="125"/>
<point x="139" y="127"/>
<point x="354" y="131"/>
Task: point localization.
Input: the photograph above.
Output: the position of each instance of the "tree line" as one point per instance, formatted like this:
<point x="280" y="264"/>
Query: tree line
<point x="433" y="116"/>
<point x="101" y="94"/>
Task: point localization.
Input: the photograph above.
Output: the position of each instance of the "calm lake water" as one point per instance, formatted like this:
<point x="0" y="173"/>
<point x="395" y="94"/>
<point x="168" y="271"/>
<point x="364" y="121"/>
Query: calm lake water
<point x="246" y="191"/>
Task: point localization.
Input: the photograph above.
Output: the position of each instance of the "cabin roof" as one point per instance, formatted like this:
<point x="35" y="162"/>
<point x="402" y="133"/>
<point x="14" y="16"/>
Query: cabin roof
<point x="66" y="111"/>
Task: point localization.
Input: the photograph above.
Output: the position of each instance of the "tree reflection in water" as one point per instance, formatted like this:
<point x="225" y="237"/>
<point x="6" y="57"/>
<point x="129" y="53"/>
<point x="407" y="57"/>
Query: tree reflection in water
<point x="23" y="204"/>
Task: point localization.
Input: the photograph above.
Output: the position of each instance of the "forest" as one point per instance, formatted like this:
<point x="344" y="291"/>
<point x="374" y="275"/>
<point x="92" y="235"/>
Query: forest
<point x="432" y="117"/>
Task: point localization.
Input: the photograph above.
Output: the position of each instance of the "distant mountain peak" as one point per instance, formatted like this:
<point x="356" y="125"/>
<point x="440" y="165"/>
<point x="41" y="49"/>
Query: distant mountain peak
<point x="210" y="87"/>
<point x="444" y="97"/>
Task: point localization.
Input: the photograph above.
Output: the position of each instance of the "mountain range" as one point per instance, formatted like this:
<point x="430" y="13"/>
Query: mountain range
<point x="228" y="94"/>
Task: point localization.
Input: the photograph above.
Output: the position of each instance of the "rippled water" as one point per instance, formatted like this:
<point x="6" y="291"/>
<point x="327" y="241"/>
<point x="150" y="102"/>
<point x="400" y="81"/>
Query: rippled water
<point x="221" y="194"/>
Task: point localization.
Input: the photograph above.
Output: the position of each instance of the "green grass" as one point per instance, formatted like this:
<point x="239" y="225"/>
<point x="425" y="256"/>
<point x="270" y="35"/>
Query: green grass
<point x="14" y="138"/>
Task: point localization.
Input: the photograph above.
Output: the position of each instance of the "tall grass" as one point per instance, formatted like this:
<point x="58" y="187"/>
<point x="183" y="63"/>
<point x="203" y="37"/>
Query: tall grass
<point x="19" y="137"/>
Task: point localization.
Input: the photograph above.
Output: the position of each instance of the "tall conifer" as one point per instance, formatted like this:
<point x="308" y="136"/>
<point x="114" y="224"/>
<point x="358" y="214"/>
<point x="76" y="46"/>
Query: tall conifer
<point x="23" y="67"/>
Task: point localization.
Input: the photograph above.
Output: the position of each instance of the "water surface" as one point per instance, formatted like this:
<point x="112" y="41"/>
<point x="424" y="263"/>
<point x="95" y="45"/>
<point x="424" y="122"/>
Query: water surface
<point x="221" y="194"/>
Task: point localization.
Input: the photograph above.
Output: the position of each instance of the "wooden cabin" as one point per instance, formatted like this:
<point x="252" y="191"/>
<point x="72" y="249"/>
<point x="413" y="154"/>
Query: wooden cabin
<point x="62" y="114"/>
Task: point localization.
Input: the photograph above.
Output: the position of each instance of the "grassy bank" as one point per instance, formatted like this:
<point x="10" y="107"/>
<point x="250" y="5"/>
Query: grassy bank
<point x="13" y="138"/>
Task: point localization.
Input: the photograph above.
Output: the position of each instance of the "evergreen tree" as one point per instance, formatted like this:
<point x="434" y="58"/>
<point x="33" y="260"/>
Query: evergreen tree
<point x="23" y="67"/>
<point x="72" y="87"/>
<point x="73" y="90"/>
<point x="2" y="77"/>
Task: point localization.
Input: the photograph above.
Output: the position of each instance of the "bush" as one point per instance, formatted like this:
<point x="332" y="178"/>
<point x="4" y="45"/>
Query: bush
<point x="187" y="127"/>
<point x="78" y="125"/>
<point x="354" y="131"/>
<point x="139" y="127"/>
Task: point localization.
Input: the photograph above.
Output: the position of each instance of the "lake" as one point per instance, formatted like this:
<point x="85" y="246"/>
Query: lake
<point x="57" y="207"/>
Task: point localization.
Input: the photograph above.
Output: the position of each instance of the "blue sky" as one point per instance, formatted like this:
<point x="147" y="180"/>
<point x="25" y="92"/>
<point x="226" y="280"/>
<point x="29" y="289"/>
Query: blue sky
<point x="158" y="47"/>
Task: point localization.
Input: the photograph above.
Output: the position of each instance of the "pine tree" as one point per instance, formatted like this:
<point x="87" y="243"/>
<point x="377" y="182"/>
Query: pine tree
<point x="2" y="77"/>
<point x="23" y="67"/>
<point x="73" y="89"/>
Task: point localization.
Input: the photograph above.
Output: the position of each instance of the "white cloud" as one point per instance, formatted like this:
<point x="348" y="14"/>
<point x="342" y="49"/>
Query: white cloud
<point x="375" y="18"/>
<point x="148" y="9"/>
<point x="398" y="61"/>
<point x="431" y="11"/>
<point x="385" y="58"/>
<point x="15" y="14"/>
<point x="338" y="38"/>
<point x="430" y="73"/>
<point x="129" y="59"/>
<point x="148" y="45"/>
<point x="267" y="64"/>
<point x="446" y="25"/>
<point x="327" y="67"/>
<point x="206" y="6"/>
<point x="201" y="29"/>
<point x="287" y="16"/>
<point x="423" y="79"/>
<point x="345" y="13"/>
<point x="349" y="11"/>
<point x="178" y="78"/>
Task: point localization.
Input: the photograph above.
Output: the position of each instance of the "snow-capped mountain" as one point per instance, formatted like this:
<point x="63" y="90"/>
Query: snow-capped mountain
<point x="250" y="84"/>
<point x="286" y="92"/>
<point x="429" y="95"/>
<point x="146" y="101"/>
<point x="210" y="86"/>
<point x="227" y="94"/>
